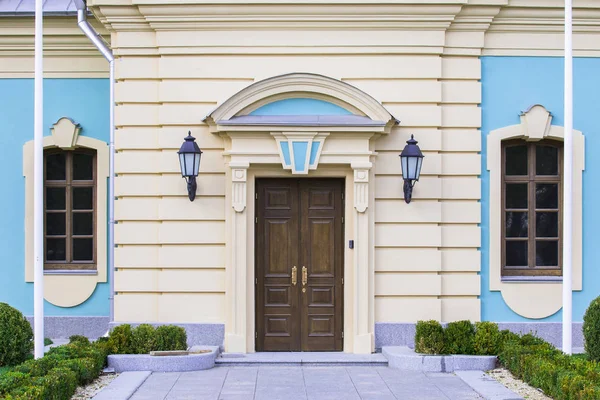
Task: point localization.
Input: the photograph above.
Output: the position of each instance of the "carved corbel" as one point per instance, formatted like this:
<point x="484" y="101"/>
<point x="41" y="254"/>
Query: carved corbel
<point x="361" y="187"/>
<point x="239" y="177"/>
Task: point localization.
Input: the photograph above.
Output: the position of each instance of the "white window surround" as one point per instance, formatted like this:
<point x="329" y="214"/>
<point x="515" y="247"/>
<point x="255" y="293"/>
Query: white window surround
<point x="68" y="288"/>
<point x="531" y="297"/>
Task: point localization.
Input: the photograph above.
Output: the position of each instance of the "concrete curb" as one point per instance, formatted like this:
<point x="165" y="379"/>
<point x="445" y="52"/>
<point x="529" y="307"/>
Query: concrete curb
<point x="486" y="386"/>
<point x="401" y="357"/>
<point x="146" y="362"/>
<point x="124" y="386"/>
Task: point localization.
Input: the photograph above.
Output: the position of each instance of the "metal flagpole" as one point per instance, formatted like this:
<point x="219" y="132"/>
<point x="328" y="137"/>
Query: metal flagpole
<point x="38" y="187"/>
<point x="568" y="180"/>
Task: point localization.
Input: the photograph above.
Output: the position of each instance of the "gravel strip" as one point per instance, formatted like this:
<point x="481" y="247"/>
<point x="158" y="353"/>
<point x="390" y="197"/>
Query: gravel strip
<point x="507" y="379"/>
<point x="89" y="391"/>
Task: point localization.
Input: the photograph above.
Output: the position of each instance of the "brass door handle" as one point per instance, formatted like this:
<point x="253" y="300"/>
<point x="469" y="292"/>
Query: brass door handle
<point x="294" y="276"/>
<point x="304" y="276"/>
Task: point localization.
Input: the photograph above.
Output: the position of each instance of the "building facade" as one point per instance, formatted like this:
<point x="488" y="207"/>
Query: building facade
<point x="299" y="237"/>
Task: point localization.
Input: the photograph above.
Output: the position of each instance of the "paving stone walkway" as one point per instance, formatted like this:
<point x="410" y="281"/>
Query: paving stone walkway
<point x="307" y="383"/>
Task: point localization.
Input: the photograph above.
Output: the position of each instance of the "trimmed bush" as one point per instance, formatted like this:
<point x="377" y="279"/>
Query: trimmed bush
<point x="54" y="376"/>
<point x="121" y="339"/>
<point x="144" y="339"/>
<point x="429" y="337"/>
<point x="16" y="336"/>
<point x="48" y="342"/>
<point x="459" y="337"/>
<point x="591" y="330"/>
<point x="11" y="380"/>
<point x="79" y="339"/>
<point x="488" y="340"/>
<point x="170" y="337"/>
<point x="560" y="376"/>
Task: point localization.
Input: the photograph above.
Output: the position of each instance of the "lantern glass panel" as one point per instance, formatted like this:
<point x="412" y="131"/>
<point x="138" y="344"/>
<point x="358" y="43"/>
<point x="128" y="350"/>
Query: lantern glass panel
<point x="419" y="165"/>
<point x="190" y="162"/>
<point x="182" y="164"/>
<point x="412" y="167"/>
<point x="197" y="164"/>
<point x="404" y="161"/>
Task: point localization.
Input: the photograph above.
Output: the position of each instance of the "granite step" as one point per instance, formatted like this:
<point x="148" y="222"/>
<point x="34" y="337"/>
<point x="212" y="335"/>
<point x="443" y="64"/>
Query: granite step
<point x="300" y="359"/>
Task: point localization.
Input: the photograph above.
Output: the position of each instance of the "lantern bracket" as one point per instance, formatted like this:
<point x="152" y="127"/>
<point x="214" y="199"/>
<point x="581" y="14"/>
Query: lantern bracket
<point x="408" y="188"/>
<point x="191" y="187"/>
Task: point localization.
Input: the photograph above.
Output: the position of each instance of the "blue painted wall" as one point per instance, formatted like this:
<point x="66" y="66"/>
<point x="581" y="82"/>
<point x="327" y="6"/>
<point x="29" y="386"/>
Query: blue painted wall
<point x="86" y="102"/>
<point x="300" y="106"/>
<point x="510" y="85"/>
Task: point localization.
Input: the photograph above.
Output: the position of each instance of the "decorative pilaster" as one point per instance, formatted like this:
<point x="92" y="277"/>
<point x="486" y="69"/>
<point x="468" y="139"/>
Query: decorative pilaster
<point x="235" y="335"/>
<point x="363" y="329"/>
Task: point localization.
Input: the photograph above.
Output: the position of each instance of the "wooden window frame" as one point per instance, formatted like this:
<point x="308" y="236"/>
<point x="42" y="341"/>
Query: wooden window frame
<point x="68" y="184"/>
<point x="532" y="179"/>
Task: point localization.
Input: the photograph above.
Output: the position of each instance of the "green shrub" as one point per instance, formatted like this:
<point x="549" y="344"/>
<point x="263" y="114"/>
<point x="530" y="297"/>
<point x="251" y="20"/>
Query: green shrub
<point x="84" y="368"/>
<point x="106" y="345"/>
<point x="541" y="365"/>
<point x="487" y="339"/>
<point x="591" y="330"/>
<point x="58" y="384"/>
<point x="429" y="337"/>
<point x="121" y="339"/>
<point x="48" y="341"/>
<point x="54" y="376"/>
<point x="459" y="337"/>
<point x="144" y="339"/>
<point x="16" y="336"/>
<point x="11" y="380"/>
<point x="170" y="337"/>
<point x="79" y="339"/>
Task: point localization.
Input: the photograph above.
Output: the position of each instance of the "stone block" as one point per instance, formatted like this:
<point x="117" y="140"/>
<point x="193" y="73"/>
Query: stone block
<point x="146" y="362"/>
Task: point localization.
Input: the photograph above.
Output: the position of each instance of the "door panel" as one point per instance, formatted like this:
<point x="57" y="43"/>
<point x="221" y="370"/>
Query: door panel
<point x="299" y="224"/>
<point x="277" y="323"/>
<point x="321" y="238"/>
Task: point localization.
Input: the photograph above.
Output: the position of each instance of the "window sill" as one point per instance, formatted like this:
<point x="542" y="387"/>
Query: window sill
<point x="70" y="272"/>
<point x="531" y="279"/>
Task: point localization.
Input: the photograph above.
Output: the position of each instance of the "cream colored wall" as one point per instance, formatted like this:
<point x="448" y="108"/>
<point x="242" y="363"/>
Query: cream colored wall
<point x="176" y="63"/>
<point x="426" y="256"/>
<point x="67" y="52"/>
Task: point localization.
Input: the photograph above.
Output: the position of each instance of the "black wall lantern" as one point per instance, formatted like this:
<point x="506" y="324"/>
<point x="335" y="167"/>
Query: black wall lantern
<point x="411" y="159"/>
<point x="189" y="161"/>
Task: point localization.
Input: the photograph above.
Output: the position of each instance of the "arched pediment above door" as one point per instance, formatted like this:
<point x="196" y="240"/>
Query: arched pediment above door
<point x="336" y="104"/>
<point x="300" y="111"/>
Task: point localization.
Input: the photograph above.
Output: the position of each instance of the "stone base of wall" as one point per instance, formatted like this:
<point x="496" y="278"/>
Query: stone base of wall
<point x="63" y="327"/>
<point x="403" y="334"/>
<point x="197" y="334"/>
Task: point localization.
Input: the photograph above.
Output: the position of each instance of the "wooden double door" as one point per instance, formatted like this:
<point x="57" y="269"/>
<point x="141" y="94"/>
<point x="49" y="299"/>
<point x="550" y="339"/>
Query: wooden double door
<point x="299" y="264"/>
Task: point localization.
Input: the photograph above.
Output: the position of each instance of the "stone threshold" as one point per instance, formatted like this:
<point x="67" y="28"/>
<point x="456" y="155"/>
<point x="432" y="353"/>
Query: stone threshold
<point x="300" y="358"/>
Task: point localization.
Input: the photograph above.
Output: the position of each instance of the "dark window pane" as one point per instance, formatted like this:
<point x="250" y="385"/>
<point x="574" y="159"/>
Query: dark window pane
<point x="516" y="160"/>
<point x="546" y="195"/>
<point x="546" y="253"/>
<point x="55" y="250"/>
<point x="56" y="224"/>
<point x="83" y="249"/>
<point x="546" y="224"/>
<point x="83" y="198"/>
<point x="516" y="253"/>
<point x="546" y="160"/>
<point x="83" y="224"/>
<point x="56" y="198"/>
<point x="516" y="195"/>
<point x="516" y="224"/>
<point x="55" y="167"/>
<point x="83" y="169"/>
